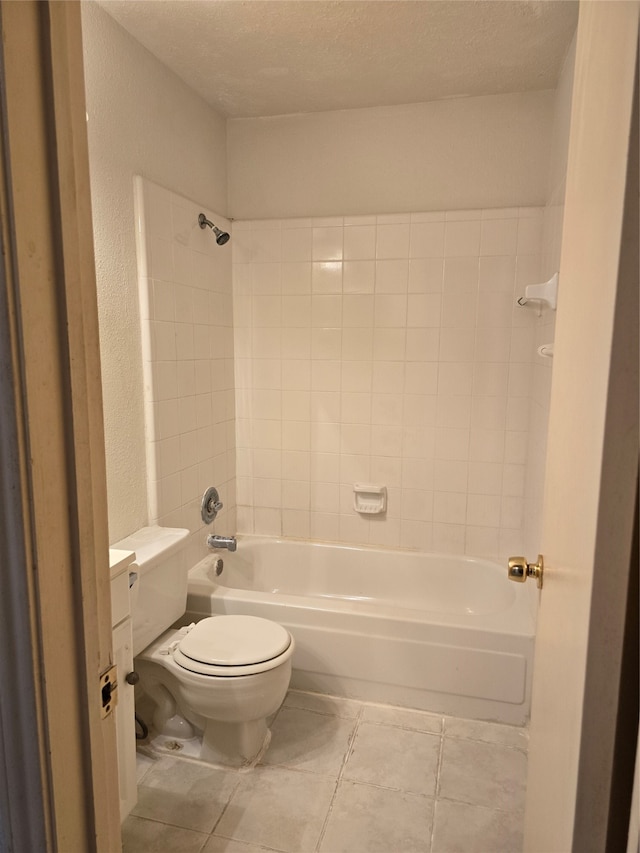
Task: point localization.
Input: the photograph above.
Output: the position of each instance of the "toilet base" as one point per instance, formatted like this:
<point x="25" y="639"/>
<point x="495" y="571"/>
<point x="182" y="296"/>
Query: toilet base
<point x="244" y="745"/>
<point x="235" y="744"/>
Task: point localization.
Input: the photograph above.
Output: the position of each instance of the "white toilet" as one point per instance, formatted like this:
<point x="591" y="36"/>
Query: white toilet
<point x="224" y="675"/>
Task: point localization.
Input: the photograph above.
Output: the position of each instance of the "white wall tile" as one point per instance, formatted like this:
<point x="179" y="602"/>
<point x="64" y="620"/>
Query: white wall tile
<point x="499" y="236"/>
<point x="422" y="344"/>
<point x="392" y="276"/>
<point x="421" y="377"/>
<point x="388" y="376"/>
<point x="424" y="310"/>
<point x="456" y="345"/>
<point x="296" y="244"/>
<point x="484" y="510"/>
<point x="485" y="478"/>
<point x="357" y="344"/>
<point x="450" y="476"/>
<point x="482" y="541"/>
<point x="326" y="277"/>
<point x="530" y="235"/>
<point x="325" y="406"/>
<point x="450" y="507"/>
<point x="427" y="240"/>
<point x="359" y="242"/>
<point x="460" y="274"/>
<point x="497" y="273"/>
<point x="324" y="467"/>
<point x="449" y="538"/>
<point x="390" y="311"/>
<point x="418" y="474"/>
<point x="425" y="275"/>
<point x="357" y="311"/>
<point x="486" y="445"/>
<point x="392" y="240"/>
<point x="358" y="276"/>
<point x="296" y="465"/>
<point x="296" y="310"/>
<point x="388" y="348"/>
<point x="295" y="277"/>
<point x="296" y="523"/>
<point x="355" y="408"/>
<point x="327" y="244"/>
<point x="459" y="311"/>
<point x="326" y="311"/>
<point x="295" y="344"/>
<point x="296" y="435"/>
<point x="326" y="343"/>
<point x="462" y="238"/>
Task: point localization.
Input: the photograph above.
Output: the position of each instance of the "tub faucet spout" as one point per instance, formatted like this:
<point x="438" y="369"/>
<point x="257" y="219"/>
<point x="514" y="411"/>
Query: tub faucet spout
<point x="228" y="542"/>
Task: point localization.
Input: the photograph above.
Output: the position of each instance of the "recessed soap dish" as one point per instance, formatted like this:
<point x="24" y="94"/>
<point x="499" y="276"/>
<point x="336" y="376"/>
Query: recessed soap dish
<point x="369" y="498"/>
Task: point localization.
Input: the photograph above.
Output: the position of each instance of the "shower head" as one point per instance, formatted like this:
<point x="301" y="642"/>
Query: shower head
<point x="221" y="236"/>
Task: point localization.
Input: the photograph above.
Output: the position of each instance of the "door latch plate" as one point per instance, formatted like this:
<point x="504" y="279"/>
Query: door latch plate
<point x="108" y="691"/>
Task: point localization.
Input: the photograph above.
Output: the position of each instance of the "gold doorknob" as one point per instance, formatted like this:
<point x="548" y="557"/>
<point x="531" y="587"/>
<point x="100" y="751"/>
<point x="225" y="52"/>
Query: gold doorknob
<point x="519" y="570"/>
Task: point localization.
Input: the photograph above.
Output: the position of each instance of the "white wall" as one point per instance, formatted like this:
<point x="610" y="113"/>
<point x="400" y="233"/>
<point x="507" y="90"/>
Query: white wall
<point x="545" y="323"/>
<point x="386" y="349"/>
<point x="187" y="350"/>
<point x="453" y="154"/>
<point x="141" y="120"/>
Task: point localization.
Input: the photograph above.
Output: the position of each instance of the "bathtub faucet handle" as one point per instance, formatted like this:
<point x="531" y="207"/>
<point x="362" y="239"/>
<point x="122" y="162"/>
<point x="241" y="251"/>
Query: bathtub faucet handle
<point x="228" y="542"/>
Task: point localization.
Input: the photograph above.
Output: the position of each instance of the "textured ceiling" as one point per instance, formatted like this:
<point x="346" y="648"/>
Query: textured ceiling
<point x="272" y="57"/>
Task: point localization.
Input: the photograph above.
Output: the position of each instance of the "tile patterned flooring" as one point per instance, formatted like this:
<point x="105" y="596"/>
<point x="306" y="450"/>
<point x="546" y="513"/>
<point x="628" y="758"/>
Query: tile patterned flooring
<point x="343" y="777"/>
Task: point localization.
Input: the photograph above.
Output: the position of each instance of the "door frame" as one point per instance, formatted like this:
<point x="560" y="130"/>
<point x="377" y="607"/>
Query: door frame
<point x="59" y="788"/>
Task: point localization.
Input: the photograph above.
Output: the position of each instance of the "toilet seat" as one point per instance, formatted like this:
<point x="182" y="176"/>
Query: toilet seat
<point x="232" y="646"/>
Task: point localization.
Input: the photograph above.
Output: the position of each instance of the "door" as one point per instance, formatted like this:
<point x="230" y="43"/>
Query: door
<point x="592" y="457"/>
<point x="58" y="770"/>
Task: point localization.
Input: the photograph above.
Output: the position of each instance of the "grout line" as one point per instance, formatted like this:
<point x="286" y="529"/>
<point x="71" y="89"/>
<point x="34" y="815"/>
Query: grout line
<point x="339" y="777"/>
<point x="437" y="791"/>
<point x="226" y="805"/>
<point x="504" y="809"/>
<point x="258" y="845"/>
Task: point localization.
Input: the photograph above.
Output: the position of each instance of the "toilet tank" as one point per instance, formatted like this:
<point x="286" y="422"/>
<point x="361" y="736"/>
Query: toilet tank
<point x="157" y="580"/>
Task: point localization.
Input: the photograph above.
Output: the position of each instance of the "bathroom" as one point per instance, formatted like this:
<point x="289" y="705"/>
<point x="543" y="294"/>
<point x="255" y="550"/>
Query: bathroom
<point x="363" y="326"/>
<point x="302" y="317"/>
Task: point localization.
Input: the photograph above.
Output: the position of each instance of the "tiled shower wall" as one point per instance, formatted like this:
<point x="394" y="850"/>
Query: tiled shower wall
<point x="187" y="350"/>
<point x="386" y="349"/>
<point x="545" y="327"/>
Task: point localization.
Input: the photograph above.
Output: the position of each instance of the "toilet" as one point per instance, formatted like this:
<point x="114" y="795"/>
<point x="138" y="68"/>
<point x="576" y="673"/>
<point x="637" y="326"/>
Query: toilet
<point x="224" y="675"/>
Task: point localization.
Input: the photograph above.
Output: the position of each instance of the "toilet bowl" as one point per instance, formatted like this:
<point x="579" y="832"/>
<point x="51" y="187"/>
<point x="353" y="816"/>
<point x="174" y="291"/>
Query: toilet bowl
<point x="226" y="675"/>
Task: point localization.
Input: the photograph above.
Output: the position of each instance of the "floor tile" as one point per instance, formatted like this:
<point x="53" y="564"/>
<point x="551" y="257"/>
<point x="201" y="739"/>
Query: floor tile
<point x="185" y="793"/>
<point x="148" y="836"/>
<point x="394" y="758"/>
<point x="309" y="741"/>
<point x="143" y="763"/>
<point x="364" y="819"/>
<point x="228" y="845"/>
<point x="282" y="809"/>
<point x="483" y="774"/>
<point x="420" y="721"/>
<point x="488" y="732"/>
<point x="323" y="704"/>
<point x="461" y="828"/>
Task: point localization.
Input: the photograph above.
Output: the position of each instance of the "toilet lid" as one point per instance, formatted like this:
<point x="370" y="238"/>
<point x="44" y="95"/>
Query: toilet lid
<point x="234" y="641"/>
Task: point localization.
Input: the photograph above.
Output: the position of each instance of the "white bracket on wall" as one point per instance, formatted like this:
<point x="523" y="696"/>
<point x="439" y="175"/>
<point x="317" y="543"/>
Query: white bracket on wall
<point x="546" y="292"/>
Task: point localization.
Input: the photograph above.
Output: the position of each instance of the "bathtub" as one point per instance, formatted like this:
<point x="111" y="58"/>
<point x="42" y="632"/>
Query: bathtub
<point x="436" y="632"/>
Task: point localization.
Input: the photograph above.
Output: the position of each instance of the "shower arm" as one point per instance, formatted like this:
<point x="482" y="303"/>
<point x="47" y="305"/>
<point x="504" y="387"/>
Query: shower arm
<point x="203" y="221"/>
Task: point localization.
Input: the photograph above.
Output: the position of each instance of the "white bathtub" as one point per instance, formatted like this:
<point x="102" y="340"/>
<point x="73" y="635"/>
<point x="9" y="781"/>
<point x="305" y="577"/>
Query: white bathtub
<point x="437" y="632"/>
